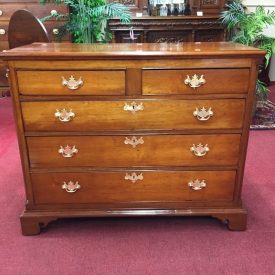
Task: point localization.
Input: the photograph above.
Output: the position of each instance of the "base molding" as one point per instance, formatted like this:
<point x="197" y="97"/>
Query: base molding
<point x="32" y="221"/>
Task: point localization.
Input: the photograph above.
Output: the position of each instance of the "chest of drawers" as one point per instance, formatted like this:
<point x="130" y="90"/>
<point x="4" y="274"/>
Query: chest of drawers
<point x="133" y="129"/>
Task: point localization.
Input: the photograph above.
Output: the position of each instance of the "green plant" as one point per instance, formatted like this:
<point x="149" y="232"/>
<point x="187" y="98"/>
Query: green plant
<point x="248" y="28"/>
<point x="87" y="20"/>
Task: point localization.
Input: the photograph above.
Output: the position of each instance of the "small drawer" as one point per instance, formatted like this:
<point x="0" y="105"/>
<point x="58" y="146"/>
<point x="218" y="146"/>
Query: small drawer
<point x="4" y="31"/>
<point x="133" y="187"/>
<point x="130" y="150"/>
<point x="104" y="82"/>
<point x="133" y="115"/>
<point x="195" y="82"/>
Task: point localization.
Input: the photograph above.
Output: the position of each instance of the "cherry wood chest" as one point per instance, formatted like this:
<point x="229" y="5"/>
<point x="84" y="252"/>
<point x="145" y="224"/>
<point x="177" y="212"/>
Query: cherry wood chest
<point x="132" y="129"/>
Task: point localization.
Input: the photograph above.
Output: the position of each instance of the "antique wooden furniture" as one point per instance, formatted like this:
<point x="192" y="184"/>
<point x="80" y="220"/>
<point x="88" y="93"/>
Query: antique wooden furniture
<point x="133" y="129"/>
<point x="7" y="8"/>
<point x="155" y="29"/>
<point x="159" y="29"/>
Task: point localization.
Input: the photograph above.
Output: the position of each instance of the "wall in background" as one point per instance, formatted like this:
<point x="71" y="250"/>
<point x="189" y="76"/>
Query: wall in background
<point x="269" y="4"/>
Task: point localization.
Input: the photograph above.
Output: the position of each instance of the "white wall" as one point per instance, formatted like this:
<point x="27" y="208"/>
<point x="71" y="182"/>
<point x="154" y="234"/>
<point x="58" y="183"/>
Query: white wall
<point x="270" y="5"/>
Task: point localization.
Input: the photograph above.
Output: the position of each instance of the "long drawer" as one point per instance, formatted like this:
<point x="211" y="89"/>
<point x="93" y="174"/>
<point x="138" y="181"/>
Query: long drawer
<point x="196" y="81"/>
<point x="138" y="186"/>
<point x="124" y="151"/>
<point x="98" y="82"/>
<point x="133" y="114"/>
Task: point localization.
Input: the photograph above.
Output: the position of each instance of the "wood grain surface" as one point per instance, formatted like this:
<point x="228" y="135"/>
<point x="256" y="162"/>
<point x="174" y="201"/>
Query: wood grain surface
<point x="110" y="115"/>
<point x="112" y="187"/>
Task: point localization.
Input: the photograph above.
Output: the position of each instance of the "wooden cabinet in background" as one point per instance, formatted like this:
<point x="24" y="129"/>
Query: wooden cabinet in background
<point x="7" y="8"/>
<point x="157" y="29"/>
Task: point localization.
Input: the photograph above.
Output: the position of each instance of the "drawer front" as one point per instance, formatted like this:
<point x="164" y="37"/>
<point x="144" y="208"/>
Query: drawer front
<point x="149" y="114"/>
<point x="4" y="45"/>
<point x="112" y="187"/>
<point x="217" y="81"/>
<point x="4" y="31"/>
<point x="38" y="10"/>
<point x="124" y="151"/>
<point x="105" y="82"/>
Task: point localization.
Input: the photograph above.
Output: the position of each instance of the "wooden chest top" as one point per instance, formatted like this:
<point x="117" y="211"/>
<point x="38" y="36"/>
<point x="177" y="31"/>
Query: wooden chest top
<point x="125" y="51"/>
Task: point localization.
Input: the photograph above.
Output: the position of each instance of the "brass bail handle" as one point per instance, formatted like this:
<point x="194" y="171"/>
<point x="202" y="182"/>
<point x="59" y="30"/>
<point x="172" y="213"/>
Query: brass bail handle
<point x="72" y="83"/>
<point x="67" y="151"/>
<point x="194" y="81"/>
<point x="64" y="116"/>
<point x="197" y="185"/>
<point x="203" y="114"/>
<point x="200" y="150"/>
<point x="71" y="187"/>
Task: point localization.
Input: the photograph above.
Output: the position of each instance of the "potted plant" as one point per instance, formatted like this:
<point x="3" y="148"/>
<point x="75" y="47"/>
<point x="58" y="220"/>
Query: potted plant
<point x="87" y="20"/>
<point x="248" y="28"/>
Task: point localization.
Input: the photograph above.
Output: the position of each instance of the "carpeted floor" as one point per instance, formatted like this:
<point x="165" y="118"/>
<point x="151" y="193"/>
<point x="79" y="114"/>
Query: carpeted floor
<point x="158" y="246"/>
